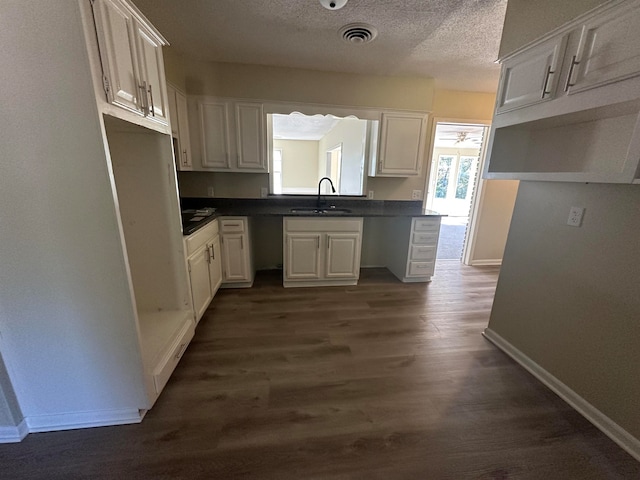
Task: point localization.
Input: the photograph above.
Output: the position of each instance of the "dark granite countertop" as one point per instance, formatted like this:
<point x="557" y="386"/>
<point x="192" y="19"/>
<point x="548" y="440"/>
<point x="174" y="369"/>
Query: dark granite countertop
<point x="281" y="206"/>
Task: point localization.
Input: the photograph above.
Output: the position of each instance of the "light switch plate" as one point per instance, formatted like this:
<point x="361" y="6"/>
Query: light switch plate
<point x="370" y="195"/>
<point x="575" y="216"/>
<point x="416" y="195"/>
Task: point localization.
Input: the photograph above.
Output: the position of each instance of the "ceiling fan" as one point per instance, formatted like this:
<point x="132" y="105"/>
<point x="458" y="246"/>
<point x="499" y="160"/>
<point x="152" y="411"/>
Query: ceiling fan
<point x="458" y="137"/>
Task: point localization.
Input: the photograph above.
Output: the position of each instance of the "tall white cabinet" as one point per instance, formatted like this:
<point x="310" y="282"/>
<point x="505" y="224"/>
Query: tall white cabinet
<point x="112" y="315"/>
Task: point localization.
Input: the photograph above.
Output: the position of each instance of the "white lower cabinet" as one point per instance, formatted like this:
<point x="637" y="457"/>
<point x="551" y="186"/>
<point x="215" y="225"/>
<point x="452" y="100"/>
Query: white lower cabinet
<point x="321" y="251"/>
<point x="204" y="261"/>
<point x="237" y="260"/>
<point x="411" y="246"/>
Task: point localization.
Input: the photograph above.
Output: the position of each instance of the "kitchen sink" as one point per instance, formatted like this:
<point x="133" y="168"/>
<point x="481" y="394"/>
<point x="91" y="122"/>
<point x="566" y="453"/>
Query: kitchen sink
<point x="321" y="211"/>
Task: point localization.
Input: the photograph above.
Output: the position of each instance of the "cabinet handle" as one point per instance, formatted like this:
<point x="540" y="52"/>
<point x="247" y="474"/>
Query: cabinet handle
<point x="208" y="255"/>
<point x="573" y="64"/>
<point x="327" y="242"/>
<point x="546" y="81"/>
<point x="186" y="161"/>
<point x="151" y="108"/>
<point x="143" y="97"/>
<point x="213" y="252"/>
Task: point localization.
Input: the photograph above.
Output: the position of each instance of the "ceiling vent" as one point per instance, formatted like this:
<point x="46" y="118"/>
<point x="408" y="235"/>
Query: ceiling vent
<point x="358" y="33"/>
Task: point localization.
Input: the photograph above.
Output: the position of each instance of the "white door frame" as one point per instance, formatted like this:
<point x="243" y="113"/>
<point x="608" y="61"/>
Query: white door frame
<point x="477" y="200"/>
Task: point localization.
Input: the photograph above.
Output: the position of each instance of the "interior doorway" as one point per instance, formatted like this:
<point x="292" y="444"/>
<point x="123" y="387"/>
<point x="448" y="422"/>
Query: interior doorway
<point x="456" y="163"/>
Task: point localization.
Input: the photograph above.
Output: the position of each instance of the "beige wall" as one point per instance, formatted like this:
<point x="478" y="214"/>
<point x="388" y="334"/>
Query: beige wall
<point x="351" y="134"/>
<point x="225" y="185"/>
<point x="568" y="297"/>
<point x="526" y="20"/>
<point x="299" y="163"/>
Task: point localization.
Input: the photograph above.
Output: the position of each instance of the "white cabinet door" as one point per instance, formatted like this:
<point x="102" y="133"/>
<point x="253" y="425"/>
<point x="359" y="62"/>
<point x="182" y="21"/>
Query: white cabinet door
<point x="343" y="255"/>
<point x="200" y="280"/>
<point x="303" y="256"/>
<point x="116" y="34"/>
<point x="609" y="50"/>
<point x="250" y="136"/>
<point x="236" y="266"/>
<point x="532" y="77"/>
<point x="183" y="131"/>
<point x="152" y="74"/>
<point x="173" y="111"/>
<point x="402" y="144"/>
<point x="215" y="265"/>
<point x="214" y="131"/>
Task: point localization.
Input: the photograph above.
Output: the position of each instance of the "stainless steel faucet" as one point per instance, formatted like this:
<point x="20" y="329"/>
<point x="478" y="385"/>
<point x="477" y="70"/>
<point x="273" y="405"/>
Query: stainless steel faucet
<point x="319" y="204"/>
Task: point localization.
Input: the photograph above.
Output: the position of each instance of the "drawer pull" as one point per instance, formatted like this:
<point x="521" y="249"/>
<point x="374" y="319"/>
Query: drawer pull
<point x="183" y="347"/>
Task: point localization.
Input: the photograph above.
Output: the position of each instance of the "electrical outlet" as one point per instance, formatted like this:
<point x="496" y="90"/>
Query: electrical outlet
<point x="575" y="216"/>
<point x="370" y="195"/>
<point x="416" y="195"/>
<point x="264" y="192"/>
<point x="210" y="192"/>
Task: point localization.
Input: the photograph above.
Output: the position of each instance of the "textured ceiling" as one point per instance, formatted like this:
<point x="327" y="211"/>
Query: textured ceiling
<point x="454" y="41"/>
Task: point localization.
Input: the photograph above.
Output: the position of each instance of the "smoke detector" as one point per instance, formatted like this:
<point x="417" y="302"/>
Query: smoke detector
<point x="333" y="4"/>
<point x="358" y="33"/>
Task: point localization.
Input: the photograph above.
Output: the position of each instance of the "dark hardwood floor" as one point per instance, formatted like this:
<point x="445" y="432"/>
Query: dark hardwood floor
<point x="380" y="381"/>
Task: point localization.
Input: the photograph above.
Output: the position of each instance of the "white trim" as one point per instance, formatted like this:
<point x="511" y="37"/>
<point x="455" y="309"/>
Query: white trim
<point x="486" y="262"/>
<point x="71" y="421"/>
<point x="14" y="434"/>
<point x="611" y="429"/>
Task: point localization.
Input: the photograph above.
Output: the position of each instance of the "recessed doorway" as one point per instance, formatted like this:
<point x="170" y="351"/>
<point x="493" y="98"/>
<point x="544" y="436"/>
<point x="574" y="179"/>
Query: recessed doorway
<point x="455" y="165"/>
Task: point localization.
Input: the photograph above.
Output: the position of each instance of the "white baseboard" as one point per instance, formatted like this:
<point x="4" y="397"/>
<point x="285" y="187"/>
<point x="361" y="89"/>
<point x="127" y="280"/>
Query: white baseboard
<point x="610" y="428"/>
<point x="486" y="263"/>
<point x="71" y="421"/>
<point x="14" y="434"/>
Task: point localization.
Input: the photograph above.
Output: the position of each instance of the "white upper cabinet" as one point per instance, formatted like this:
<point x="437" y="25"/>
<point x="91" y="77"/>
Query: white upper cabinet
<point x="152" y="73"/>
<point x="609" y="50"/>
<point x="250" y="136"/>
<point x="532" y="77"/>
<point x="131" y="57"/>
<point x="116" y="32"/>
<point x="180" y="127"/>
<point x="232" y="136"/>
<point x="587" y="126"/>
<point x="402" y="144"/>
<point x="214" y="132"/>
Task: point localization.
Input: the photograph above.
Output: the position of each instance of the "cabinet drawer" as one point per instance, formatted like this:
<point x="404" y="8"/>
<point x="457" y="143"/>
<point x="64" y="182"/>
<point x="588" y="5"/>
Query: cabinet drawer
<point x="197" y="239"/>
<point x="426" y="225"/>
<point x="427" y="238"/>
<point x="165" y="368"/>
<point x="421" y="269"/>
<point x="232" y="225"/>
<point x="423" y="253"/>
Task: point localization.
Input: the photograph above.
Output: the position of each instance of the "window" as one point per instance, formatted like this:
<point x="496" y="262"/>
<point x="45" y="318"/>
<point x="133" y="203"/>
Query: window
<point x="277" y="171"/>
<point x="442" y="179"/>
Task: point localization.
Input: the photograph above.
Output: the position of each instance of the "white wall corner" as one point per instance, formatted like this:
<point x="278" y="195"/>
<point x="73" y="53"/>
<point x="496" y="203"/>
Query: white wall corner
<point x="610" y="428"/>
<point x="14" y="434"/>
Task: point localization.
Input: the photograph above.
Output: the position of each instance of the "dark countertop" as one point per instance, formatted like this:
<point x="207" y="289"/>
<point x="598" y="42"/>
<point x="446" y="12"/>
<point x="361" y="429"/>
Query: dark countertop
<point x="281" y="206"/>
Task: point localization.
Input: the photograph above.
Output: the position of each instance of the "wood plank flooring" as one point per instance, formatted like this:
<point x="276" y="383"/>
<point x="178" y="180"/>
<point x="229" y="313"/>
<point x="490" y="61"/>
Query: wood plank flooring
<point x="380" y="381"/>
